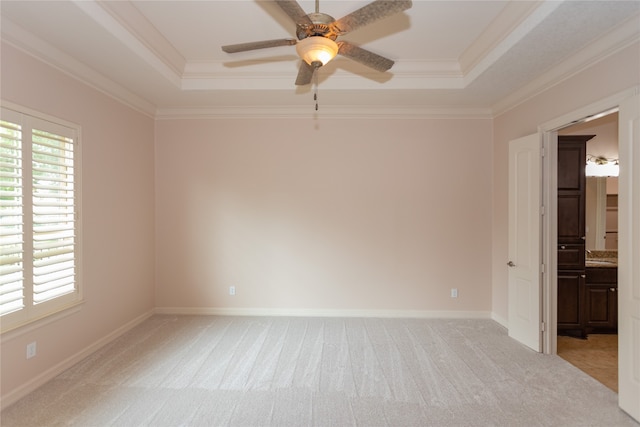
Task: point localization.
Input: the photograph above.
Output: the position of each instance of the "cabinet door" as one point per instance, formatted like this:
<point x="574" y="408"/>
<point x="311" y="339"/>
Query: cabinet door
<point x="601" y="306"/>
<point x="572" y="160"/>
<point x="601" y="303"/>
<point x="571" y="218"/>
<point x="571" y="301"/>
<point x="572" y="157"/>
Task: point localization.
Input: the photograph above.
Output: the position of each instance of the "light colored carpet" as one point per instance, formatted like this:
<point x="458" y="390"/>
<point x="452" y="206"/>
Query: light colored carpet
<point x="597" y="356"/>
<point x="247" y="371"/>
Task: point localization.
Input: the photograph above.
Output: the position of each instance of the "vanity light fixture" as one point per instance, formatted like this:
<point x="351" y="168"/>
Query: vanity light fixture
<point x="601" y="166"/>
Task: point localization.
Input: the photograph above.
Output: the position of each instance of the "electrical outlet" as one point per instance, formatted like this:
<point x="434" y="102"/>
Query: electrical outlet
<point x="454" y="293"/>
<point x="232" y="290"/>
<point x="31" y="350"/>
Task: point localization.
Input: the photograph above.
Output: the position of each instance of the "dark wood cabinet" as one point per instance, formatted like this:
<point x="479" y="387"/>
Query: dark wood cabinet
<point x="571" y="256"/>
<point x="571" y="217"/>
<point x="572" y="298"/>
<point x="572" y="159"/>
<point x="601" y="300"/>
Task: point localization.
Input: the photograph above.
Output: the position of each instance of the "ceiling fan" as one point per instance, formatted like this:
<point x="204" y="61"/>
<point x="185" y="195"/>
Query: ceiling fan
<point x="317" y="33"/>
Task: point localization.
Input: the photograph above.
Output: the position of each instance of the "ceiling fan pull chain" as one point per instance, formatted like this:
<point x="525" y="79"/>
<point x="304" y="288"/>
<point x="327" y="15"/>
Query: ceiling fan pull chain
<point x="315" y="88"/>
<point x="315" y="97"/>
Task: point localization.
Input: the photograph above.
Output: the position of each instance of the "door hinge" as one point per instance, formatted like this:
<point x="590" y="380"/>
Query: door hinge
<point x="542" y="151"/>
<point x="541" y="268"/>
<point x="542" y="210"/>
<point x="542" y="327"/>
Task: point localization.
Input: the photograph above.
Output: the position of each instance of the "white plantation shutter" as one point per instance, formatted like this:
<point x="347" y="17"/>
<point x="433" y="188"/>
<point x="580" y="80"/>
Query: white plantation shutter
<point x="53" y="216"/>
<point x="11" y="219"/>
<point x="39" y="247"/>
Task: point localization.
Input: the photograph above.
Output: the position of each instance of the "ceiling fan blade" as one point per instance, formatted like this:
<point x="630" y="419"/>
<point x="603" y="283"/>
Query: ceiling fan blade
<point x="242" y="47"/>
<point x="363" y="56"/>
<point x="295" y="11"/>
<point x="372" y="12"/>
<point x="305" y="73"/>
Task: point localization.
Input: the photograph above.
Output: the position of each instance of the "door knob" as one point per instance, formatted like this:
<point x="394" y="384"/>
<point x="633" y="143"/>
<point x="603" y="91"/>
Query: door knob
<point x="612" y="289"/>
<point x="511" y="264"/>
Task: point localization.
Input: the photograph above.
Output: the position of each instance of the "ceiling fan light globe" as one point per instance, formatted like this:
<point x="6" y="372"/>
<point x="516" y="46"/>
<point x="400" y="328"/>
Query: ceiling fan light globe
<point x="317" y="49"/>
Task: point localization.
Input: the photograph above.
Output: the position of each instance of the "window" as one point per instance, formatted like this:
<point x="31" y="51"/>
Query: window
<point x="39" y="217"/>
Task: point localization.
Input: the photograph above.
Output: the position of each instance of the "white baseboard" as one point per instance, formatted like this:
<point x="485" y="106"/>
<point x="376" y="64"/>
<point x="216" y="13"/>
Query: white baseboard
<point x="499" y="319"/>
<point x="309" y="312"/>
<point x="18" y="393"/>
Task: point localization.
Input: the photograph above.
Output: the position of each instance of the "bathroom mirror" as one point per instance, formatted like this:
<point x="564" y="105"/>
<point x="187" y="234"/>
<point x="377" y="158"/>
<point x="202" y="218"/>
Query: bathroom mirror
<point x="601" y="216"/>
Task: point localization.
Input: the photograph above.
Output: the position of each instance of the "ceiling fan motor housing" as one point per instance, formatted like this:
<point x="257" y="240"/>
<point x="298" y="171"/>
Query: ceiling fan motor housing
<point x="321" y="27"/>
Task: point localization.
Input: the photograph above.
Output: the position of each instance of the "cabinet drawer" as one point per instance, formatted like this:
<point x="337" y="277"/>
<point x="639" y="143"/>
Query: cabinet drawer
<point x="571" y="256"/>
<point x="604" y="275"/>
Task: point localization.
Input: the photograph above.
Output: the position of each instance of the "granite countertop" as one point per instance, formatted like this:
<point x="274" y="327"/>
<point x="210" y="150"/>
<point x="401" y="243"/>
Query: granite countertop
<point x="601" y="259"/>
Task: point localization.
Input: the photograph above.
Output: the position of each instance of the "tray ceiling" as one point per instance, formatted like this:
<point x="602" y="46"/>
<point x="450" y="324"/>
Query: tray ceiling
<point x="452" y="57"/>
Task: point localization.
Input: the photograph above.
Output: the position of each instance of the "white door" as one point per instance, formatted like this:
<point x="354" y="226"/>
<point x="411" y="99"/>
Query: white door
<point x="629" y="256"/>
<point x="524" y="261"/>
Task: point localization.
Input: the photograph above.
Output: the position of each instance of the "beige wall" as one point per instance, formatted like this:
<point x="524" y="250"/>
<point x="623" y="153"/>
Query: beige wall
<point x="619" y="72"/>
<point x="605" y="141"/>
<point x="322" y="214"/>
<point x="118" y="216"/>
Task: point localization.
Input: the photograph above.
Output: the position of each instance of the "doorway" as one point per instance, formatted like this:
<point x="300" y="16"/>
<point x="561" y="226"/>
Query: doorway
<point x="594" y="349"/>
<point x="627" y="103"/>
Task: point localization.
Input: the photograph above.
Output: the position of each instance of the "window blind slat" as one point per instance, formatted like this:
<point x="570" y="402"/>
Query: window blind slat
<point x="10" y="260"/>
<point x="47" y="244"/>
<point x="43" y="255"/>
<point x="53" y="236"/>
<point x="39" y="298"/>
<point x="6" y="250"/>
<point x="10" y="268"/>
<point x="10" y="303"/>
<point x="46" y="265"/>
<point x="11" y="299"/>
<point x="52" y="171"/>
<point x="46" y="280"/>
<point x="11" y="237"/>
<point x="11" y="282"/>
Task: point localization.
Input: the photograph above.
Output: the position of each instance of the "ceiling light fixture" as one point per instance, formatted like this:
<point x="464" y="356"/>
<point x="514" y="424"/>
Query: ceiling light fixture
<point x="601" y="166"/>
<point x="317" y="49"/>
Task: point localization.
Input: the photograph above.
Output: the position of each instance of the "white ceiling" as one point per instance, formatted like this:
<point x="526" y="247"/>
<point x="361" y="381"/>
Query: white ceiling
<point x="452" y="57"/>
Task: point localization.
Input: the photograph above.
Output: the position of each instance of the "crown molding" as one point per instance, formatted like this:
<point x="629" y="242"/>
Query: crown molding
<point x="278" y="75"/>
<point x="16" y="36"/>
<point x="136" y="24"/>
<point x="135" y="32"/>
<point x="512" y="16"/>
<point x="327" y="111"/>
<point x="531" y="21"/>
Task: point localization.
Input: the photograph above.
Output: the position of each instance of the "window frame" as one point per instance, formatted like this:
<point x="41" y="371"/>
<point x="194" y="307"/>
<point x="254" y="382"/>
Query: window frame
<point x="34" y="120"/>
